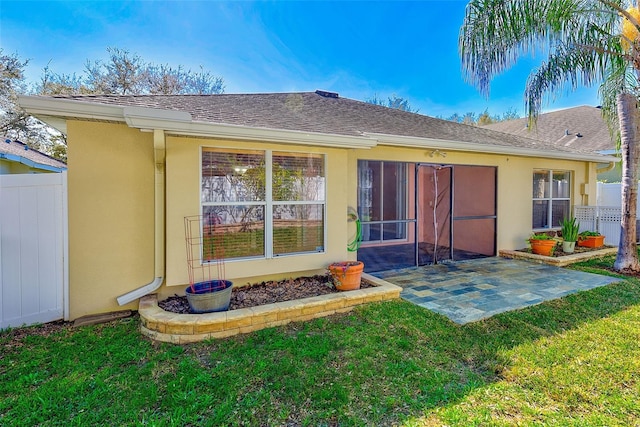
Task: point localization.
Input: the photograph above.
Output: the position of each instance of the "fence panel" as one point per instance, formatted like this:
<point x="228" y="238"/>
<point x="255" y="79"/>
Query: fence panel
<point x="587" y="216"/>
<point x="603" y="219"/>
<point x="32" y="248"/>
<point x="609" y="194"/>
<point x="609" y="218"/>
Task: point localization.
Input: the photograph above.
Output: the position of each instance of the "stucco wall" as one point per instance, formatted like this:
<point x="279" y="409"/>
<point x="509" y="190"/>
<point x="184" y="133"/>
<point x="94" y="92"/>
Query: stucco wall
<point x="111" y="227"/>
<point x="183" y="199"/>
<point x="111" y="208"/>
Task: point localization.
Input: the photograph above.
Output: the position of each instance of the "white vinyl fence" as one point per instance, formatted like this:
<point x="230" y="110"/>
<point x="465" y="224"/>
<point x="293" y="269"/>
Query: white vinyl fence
<point x="605" y="217"/>
<point x="609" y="194"/>
<point x="33" y="248"/>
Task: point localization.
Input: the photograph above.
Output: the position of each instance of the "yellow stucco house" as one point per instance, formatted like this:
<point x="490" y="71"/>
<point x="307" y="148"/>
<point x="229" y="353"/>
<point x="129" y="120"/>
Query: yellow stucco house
<point x="287" y="174"/>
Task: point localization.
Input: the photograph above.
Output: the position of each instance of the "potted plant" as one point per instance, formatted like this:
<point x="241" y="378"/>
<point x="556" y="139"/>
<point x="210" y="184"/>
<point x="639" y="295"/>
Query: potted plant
<point x="542" y="244"/>
<point x="346" y="274"/>
<point x="590" y="239"/>
<point x="570" y="228"/>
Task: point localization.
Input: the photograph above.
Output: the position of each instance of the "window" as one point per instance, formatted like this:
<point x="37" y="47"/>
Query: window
<point x="266" y="203"/>
<point x="233" y="199"/>
<point x="298" y="202"/>
<point x="551" y="198"/>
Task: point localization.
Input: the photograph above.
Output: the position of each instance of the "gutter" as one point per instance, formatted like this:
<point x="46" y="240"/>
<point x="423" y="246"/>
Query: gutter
<point x="30" y="163"/>
<point x="606" y="168"/>
<point x="159" y="152"/>
<point x="181" y="123"/>
<point x="417" y="142"/>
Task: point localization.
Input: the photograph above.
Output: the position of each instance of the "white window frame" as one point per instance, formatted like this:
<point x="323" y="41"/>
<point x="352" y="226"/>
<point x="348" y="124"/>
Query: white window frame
<point x="551" y="199"/>
<point x="269" y="203"/>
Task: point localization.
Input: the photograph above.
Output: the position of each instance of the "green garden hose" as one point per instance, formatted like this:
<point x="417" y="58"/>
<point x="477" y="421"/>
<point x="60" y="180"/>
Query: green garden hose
<point x="354" y="245"/>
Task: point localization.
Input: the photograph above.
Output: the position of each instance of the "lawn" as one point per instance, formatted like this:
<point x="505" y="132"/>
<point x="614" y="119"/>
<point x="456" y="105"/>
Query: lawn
<point x="574" y="361"/>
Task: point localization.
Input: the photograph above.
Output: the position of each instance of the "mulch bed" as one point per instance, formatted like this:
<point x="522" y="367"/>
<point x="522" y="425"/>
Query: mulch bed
<point x="266" y="293"/>
<point x="625" y="272"/>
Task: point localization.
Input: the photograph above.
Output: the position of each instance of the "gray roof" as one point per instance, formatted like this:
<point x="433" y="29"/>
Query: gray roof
<point x="19" y="151"/>
<point x="320" y="112"/>
<point x="581" y="127"/>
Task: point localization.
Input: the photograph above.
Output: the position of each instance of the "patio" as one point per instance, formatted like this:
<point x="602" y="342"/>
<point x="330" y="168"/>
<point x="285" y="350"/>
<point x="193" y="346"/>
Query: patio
<point x="468" y="291"/>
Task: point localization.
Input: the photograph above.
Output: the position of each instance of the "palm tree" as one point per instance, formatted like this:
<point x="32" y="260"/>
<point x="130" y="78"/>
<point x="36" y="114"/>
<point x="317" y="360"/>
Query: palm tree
<point x="583" y="44"/>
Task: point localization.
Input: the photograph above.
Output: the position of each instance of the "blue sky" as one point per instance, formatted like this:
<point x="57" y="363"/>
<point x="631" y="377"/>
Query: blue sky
<point x="355" y="48"/>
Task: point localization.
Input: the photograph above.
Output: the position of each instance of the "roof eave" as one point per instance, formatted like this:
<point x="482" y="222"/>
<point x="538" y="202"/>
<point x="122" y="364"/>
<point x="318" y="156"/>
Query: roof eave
<point x="417" y="142"/>
<point x="54" y="111"/>
<point x="30" y="163"/>
<point x="180" y="123"/>
<point x="273" y="136"/>
<point x="247" y="133"/>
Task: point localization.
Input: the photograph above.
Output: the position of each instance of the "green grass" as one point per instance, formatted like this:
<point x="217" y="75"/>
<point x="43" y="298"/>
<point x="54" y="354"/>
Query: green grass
<point x="573" y="361"/>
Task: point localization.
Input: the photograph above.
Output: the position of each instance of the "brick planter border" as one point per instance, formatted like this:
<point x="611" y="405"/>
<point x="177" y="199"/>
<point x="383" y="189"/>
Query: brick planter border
<point x="560" y="261"/>
<point x="177" y="328"/>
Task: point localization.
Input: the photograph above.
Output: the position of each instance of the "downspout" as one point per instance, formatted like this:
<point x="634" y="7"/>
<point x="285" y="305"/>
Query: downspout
<point x="606" y="168"/>
<point x="159" y="152"/>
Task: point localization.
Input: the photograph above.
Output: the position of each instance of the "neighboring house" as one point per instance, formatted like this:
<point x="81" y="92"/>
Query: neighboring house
<point x="578" y="127"/>
<point x="16" y="157"/>
<point x="280" y="174"/>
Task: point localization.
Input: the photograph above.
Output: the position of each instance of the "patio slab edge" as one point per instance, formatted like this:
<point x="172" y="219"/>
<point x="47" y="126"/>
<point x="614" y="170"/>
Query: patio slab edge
<point x="558" y="261"/>
<point x="164" y="326"/>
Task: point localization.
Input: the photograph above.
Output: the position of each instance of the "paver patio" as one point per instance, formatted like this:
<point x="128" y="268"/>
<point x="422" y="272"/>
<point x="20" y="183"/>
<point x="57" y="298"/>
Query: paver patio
<point x="467" y="291"/>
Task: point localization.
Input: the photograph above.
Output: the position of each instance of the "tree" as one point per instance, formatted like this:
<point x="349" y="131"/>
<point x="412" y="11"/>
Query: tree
<point x="165" y="80"/>
<point x="15" y="123"/>
<point x="469" y="118"/>
<point x="582" y="43"/>
<point x="394" y="102"/>
<point x="510" y="114"/>
<point x="13" y="120"/>
<point x="202" y="83"/>
<point x="122" y="74"/>
<point x="60" y="84"/>
<point x="125" y="73"/>
<point x="483" y="118"/>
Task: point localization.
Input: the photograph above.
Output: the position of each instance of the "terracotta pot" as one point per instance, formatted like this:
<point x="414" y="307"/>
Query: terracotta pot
<point x="591" y="241"/>
<point x="346" y="275"/>
<point x="542" y="247"/>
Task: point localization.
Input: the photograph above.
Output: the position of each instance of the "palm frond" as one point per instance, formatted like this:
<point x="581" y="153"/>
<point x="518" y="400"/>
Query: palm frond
<point x="496" y="33"/>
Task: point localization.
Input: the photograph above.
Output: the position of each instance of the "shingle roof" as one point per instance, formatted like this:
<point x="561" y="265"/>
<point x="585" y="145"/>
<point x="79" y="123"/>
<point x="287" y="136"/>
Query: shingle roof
<point x="20" y="149"/>
<point x="562" y="128"/>
<point x="313" y="112"/>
